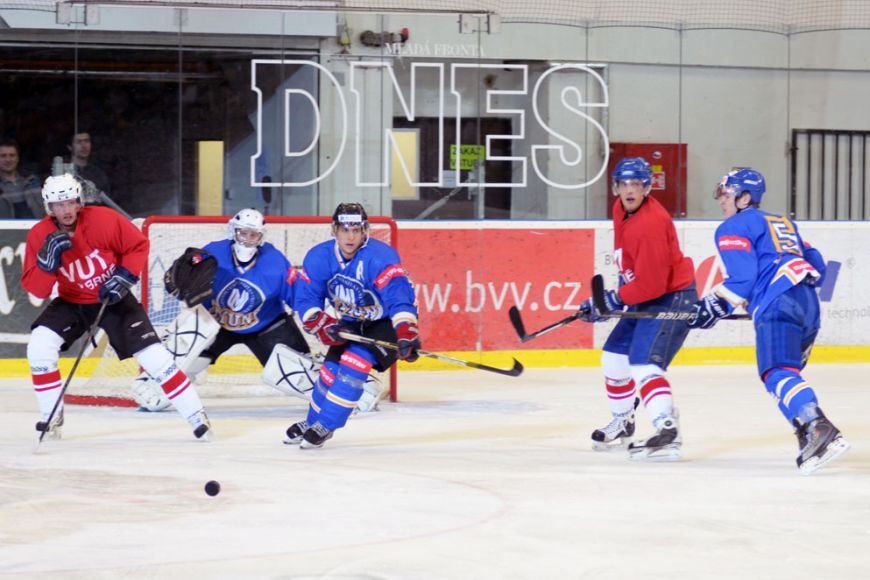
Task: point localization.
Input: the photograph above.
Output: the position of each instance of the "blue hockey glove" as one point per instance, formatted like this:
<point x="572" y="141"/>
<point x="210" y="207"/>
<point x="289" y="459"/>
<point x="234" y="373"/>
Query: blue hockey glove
<point x="587" y="312"/>
<point x="408" y="336"/>
<point x="708" y="310"/>
<point x="48" y="258"/>
<point x="115" y="288"/>
<point x="612" y="301"/>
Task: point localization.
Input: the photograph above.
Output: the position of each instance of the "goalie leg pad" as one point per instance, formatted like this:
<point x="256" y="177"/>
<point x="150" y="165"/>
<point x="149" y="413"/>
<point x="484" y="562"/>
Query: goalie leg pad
<point x="373" y="393"/>
<point x="290" y="372"/>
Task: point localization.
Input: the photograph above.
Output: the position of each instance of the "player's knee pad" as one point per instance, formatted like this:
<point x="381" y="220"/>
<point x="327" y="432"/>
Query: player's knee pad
<point x="615" y="366"/>
<point x="643" y="374"/>
<point x="789" y="388"/>
<point x="43" y="350"/>
<point x="347" y="388"/>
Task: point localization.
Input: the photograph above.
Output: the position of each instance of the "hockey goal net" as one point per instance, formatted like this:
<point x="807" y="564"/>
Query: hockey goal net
<point x="237" y="372"/>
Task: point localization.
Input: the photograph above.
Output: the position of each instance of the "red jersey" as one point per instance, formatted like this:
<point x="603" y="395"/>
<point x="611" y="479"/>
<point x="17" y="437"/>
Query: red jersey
<point x="648" y="254"/>
<point x="103" y="240"/>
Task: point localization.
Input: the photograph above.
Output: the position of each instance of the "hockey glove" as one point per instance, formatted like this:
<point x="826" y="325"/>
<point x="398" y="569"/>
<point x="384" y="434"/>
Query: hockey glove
<point x="587" y="312"/>
<point x="708" y="310"/>
<point x="408" y="336"/>
<point x="324" y="327"/>
<point x="48" y="258"/>
<point x="115" y="288"/>
<point x="191" y="276"/>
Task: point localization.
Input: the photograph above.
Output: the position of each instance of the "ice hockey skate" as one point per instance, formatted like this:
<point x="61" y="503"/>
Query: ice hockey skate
<point x="665" y="445"/>
<point x="315" y="437"/>
<point x="616" y="434"/>
<point x="820" y="443"/>
<point x="295" y="432"/>
<point x="52" y="431"/>
<point x="201" y="425"/>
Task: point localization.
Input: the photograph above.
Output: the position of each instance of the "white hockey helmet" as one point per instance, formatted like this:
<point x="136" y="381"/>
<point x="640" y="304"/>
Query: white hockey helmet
<point x="247" y="219"/>
<point x="60" y="188"/>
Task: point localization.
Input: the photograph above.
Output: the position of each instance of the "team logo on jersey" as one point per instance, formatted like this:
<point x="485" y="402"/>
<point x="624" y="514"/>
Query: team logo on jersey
<point x="734" y="243"/>
<point x="237" y="305"/>
<point x="351" y="299"/>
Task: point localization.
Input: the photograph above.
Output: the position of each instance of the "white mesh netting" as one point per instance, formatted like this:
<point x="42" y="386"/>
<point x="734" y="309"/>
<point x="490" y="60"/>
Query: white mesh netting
<point x="778" y="16"/>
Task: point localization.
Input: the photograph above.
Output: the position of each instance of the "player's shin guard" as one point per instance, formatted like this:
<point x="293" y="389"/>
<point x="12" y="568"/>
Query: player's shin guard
<point x="158" y="363"/>
<point x="791" y="391"/>
<point x="347" y="388"/>
<point x="42" y="355"/>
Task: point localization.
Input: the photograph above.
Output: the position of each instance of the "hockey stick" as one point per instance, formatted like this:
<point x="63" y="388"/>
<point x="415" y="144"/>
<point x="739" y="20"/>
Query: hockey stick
<point x="514" y="371"/>
<point x="517" y="321"/>
<point x="601" y="307"/>
<point x="72" y="372"/>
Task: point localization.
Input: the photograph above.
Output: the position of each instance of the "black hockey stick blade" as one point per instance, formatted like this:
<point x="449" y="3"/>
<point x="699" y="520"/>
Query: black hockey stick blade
<point x="515" y="371"/>
<point x="517" y="321"/>
<point x="601" y="307"/>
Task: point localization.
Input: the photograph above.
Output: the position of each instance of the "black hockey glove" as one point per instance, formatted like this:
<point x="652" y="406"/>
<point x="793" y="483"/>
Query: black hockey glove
<point x="191" y="276"/>
<point x="115" y="288"/>
<point x="408" y="340"/>
<point x="708" y="310"/>
<point x="48" y="258"/>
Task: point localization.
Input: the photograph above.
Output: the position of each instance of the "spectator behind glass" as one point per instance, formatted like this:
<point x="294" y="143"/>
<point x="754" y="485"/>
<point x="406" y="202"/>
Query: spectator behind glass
<point x="95" y="183"/>
<point x="20" y="195"/>
<point x="80" y="153"/>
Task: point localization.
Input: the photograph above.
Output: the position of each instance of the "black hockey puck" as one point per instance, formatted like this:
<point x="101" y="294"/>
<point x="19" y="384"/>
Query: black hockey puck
<point x="212" y="488"/>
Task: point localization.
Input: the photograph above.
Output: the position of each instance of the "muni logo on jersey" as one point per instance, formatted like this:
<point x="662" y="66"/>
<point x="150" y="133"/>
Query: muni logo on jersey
<point x="237" y="305"/>
<point x="351" y="299"/>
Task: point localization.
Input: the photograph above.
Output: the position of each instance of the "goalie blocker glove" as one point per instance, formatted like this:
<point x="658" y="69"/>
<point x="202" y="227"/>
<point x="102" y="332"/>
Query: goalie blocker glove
<point x="708" y="310"/>
<point x="408" y="340"/>
<point x="324" y="327"/>
<point x="191" y="276"/>
<point x="115" y="288"/>
<point x="49" y="256"/>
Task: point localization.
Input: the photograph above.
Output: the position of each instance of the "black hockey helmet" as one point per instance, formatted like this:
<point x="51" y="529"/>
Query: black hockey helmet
<point x="350" y="214"/>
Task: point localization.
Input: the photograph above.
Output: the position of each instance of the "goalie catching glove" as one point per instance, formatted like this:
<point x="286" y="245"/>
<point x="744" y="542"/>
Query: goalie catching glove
<point x="190" y="277"/>
<point x="708" y="310"/>
<point x="324" y="327"/>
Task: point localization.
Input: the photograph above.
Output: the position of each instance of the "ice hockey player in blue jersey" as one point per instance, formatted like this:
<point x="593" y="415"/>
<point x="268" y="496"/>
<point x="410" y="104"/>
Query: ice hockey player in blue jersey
<point x="773" y="273"/>
<point x="364" y="282"/>
<point x="247" y="293"/>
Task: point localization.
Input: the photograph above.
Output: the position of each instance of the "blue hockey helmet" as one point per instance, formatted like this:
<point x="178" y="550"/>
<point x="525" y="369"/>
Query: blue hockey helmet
<point x="741" y="181"/>
<point x="633" y="168"/>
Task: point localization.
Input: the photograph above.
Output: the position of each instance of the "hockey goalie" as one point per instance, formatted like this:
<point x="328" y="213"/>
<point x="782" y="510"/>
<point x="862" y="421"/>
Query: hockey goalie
<point x="238" y="291"/>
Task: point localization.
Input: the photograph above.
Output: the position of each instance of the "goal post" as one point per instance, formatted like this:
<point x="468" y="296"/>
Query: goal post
<point x="237" y="372"/>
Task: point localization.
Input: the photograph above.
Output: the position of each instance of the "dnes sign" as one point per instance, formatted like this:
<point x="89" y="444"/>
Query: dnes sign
<point x="560" y="151"/>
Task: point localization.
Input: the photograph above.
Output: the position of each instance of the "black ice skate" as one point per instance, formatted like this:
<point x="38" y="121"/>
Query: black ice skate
<point x="617" y="434"/>
<point x="820" y="443"/>
<point x="53" y="431"/>
<point x="315" y="437"/>
<point x="665" y="445"/>
<point x="295" y="432"/>
<point x="201" y="425"/>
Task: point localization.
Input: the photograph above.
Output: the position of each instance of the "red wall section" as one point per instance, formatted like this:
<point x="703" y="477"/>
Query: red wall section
<point x="467" y="279"/>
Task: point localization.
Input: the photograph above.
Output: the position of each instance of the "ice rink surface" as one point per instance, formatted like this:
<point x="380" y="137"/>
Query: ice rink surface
<point x="472" y="475"/>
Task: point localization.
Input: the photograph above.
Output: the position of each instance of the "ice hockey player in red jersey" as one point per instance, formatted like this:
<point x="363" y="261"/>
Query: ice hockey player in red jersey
<point x="94" y="255"/>
<point x="654" y="276"/>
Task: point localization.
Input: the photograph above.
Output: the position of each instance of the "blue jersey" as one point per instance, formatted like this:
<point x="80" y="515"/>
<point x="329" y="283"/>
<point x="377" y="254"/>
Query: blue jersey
<point x="371" y="286"/>
<point x="764" y="256"/>
<point x="248" y="298"/>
